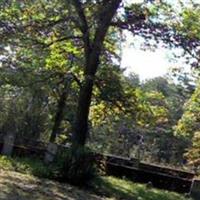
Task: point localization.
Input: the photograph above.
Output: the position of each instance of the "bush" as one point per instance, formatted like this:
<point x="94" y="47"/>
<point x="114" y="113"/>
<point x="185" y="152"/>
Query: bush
<point x="79" y="166"/>
<point x="27" y="165"/>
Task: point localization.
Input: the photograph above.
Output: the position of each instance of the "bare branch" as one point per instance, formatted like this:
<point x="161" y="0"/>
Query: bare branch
<point x="83" y="27"/>
<point x="76" y="79"/>
<point x="79" y="8"/>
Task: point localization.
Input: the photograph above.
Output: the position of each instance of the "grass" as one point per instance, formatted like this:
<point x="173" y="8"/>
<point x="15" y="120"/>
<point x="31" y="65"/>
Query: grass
<point x="115" y="187"/>
<point x="105" y="187"/>
<point x="18" y="186"/>
<point x="31" y="166"/>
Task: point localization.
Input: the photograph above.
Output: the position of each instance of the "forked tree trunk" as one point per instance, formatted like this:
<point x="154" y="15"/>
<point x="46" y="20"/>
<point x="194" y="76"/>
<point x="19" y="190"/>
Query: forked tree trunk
<point x="92" y="49"/>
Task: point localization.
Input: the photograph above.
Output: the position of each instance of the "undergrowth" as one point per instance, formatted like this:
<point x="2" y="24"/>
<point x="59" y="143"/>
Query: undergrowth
<point x="106" y="187"/>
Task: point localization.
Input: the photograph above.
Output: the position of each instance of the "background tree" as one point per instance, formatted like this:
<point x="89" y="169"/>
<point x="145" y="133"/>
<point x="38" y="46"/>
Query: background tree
<point x="40" y="41"/>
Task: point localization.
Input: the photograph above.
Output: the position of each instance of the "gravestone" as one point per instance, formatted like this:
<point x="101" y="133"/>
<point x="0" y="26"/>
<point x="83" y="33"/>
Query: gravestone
<point x="8" y="144"/>
<point x="195" y="189"/>
<point x="50" y="152"/>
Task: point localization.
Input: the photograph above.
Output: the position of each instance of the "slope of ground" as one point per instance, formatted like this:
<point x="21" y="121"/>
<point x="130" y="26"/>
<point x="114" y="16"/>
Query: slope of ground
<point x="17" y="186"/>
<point x="22" y="185"/>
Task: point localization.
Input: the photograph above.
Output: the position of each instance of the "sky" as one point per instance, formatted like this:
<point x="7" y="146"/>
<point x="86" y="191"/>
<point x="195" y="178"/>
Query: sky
<point x="146" y="64"/>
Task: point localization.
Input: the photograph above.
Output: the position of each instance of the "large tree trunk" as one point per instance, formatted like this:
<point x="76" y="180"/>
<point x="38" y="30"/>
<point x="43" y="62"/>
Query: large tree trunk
<point x="92" y="49"/>
<point x="81" y="123"/>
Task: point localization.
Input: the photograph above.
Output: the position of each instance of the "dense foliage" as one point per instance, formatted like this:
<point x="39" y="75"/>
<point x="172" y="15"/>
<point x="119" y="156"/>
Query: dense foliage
<point x="61" y="79"/>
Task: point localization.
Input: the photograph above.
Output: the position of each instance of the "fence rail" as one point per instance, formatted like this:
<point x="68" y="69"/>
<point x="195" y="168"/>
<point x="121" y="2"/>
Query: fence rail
<point x="160" y="177"/>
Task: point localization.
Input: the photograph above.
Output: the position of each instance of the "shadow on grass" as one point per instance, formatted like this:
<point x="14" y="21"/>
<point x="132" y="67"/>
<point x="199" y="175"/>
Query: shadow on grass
<point x="15" y="186"/>
<point x="123" y="189"/>
<point x="104" y="187"/>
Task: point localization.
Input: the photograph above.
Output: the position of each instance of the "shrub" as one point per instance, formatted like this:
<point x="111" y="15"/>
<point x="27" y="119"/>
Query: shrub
<point x="27" y="165"/>
<point x="79" y="166"/>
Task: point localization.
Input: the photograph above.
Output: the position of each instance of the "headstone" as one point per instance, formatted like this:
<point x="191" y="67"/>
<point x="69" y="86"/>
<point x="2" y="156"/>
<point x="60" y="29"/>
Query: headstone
<point x="195" y="189"/>
<point x="8" y="145"/>
<point x="51" y="152"/>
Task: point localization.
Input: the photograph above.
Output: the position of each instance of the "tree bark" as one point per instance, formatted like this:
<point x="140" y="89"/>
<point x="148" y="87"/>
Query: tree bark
<point x="92" y="55"/>
<point x="81" y="123"/>
<point x="60" y="111"/>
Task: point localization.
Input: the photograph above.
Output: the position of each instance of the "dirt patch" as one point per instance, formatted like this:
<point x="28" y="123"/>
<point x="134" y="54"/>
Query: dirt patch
<point x="17" y="186"/>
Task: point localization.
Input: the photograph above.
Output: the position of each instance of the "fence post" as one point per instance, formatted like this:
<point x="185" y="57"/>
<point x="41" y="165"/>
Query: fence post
<point x="8" y="144"/>
<point x="195" y="189"/>
<point x="51" y="152"/>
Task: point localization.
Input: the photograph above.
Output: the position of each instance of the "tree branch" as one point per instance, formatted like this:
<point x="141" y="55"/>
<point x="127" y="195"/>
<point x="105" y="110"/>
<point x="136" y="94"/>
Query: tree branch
<point x="105" y="17"/>
<point x="79" y="8"/>
<point x="83" y="26"/>
<point x="70" y="37"/>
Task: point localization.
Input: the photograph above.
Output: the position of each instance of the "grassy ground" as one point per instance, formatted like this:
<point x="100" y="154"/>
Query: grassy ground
<point x="17" y="186"/>
<point x="115" y="187"/>
<point x="25" y="186"/>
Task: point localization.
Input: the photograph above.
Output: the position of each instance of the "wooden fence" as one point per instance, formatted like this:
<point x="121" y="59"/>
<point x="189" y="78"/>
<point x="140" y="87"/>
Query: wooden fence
<point x="159" y="176"/>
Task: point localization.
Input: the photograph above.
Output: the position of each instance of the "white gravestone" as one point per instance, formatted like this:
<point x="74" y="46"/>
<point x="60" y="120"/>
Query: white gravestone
<point x="51" y="152"/>
<point x="8" y="145"/>
<point x="195" y="189"/>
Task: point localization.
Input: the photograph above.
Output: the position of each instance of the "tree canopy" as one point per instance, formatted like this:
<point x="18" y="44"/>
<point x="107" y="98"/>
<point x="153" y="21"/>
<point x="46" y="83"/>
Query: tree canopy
<point x="60" y="67"/>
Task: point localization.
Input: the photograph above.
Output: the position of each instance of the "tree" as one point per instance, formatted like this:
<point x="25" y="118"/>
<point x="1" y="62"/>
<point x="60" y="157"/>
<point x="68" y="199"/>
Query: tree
<point x="189" y="122"/>
<point x="81" y="28"/>
<point x="193" y="151"/>
<point x="187" y="128"/>
<point x="90" y="30"/>
<point x="92" y="50"/>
